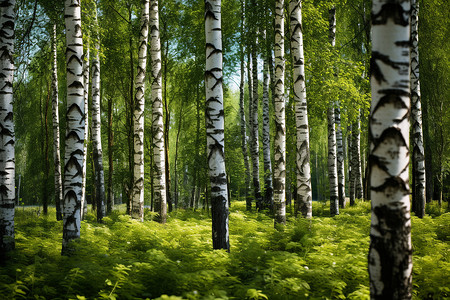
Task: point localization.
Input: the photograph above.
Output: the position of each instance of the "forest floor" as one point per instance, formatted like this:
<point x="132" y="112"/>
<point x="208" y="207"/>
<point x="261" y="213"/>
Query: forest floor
<point x="322" y="258"/>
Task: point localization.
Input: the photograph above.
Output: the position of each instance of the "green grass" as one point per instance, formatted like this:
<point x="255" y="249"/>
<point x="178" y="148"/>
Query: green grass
<point x="322" y="258"/>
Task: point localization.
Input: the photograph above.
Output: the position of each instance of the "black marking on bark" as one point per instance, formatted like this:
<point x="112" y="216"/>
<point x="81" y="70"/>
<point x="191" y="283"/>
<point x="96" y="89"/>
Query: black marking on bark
<point x="76" y="58"/>
<point x="376" y="70"/>
<point x="73" y="162"/>
<point x="4" y="190"/>
<point x="76" y="84"/>
<point x="392" y="11"/>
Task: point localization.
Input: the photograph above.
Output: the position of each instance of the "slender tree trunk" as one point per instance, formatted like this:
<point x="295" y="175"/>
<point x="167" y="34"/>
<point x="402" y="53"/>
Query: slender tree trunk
<point x="340" y="158"/>
<point x="356" y="143"/>
<point x="96" y="129"/>
<point x="250" y="113"/>
<point x="130" y="123"/>
<point x="215" y="125"/>
<point x="279" y="170"/>
<point x="268" y="185"/>
<point x="255" y="127"/>
<point x="110" y="200"/>
<point x="86" y="69"/>
<point x="166" y="129"/>
<point x="303" y="203"/>
<point x="351" y="166"/>
<point x="75" y="125"/>
<point x="177" y="141"/>
<point x="137" y="207"/>
<point x="56" y="140"/>
<point x="7" y="137"/>
<point x="242" y="114"/>
<point x="46" y="160"/>
<point x="332" y="159"/>
<point x="159" y="192"/>
<point x="418" y="157"/>
<point x="390" y="253"/>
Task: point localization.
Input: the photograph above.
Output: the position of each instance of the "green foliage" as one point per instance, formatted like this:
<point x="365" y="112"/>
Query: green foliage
<point x="322" y="258"/>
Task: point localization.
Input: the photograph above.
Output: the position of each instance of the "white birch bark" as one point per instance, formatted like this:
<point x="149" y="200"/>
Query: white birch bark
<point x="268" y="184"/>
<point x="56" y="135"/>
<point x="86" y="72"/>
<point x="332" y="159"/>
<point x="96" y="127"/>
<point x="215" y="125"/>
<point x="356" y="142"/>
<point x="418" y="157"/>
<point x="255" y="125"/>
<point x="75" y="124"/>
<point x="7" y="136"/>
<point x="304" y="190"/>
<point x="351" y="172"/>
<point x="390" y="259"/>
<point x="159" y="178"/>
<point x="340" y="158"/>
<point x="137" y="205"/>
<point x="250" y="114"/>
<point x="279" y="170"/>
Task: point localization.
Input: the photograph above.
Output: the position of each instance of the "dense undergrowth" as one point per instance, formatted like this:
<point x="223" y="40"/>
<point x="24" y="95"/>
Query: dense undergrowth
<point x="322" y="258"/>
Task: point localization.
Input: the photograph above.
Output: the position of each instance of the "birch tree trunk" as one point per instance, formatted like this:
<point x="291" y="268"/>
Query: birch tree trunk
<point x="56" y="138"/>
<point x="96" y="127"/>
<point x="303" y="202"/>
<point x="7" y="137"/>
<point x="418" y="157"/>
<point x="332" y="159"/>
<point x="137" y="205"/>
<point x="390" y="253"/>
<point x="75" y="125"/>
<point x="255" y="126"/>
<point x="86" y="72"/>
<point x="356" y="143"/>
<point x="268" y="185"/>
<point x="279" y="172"/>
<point x="250" y="113"/>
<point x="110" y="201"/>
<point x="340" y="158"/>
<point x="243" y="123"/>
<point x="215" y="125"/>
<point x="351" y="169"/>
<point x="159" y="183"/>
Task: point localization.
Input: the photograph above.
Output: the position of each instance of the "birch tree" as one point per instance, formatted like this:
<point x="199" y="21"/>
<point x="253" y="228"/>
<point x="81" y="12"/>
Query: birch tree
<point x="86" y="72"/>
<point x="340" y="157"/>
<point x="332" y="168"/>
<point x="351" y="172"/>
<point x="75" y="124"/>
<point x="7" y="138"/>
<point x="215" y="125"/>
<point x="159" y="177"/>
<point x="418" y="157"/>
<point x="97" y="156"/>
<point x="304" y="192"/>
<point x="268" y="185"/>
<point x="356" y="155"/>
<point x="279" y="172"/>
<point x="137" y="205"/>
<point x="243" y="123"/>
<point x="390" y="253"/>
<point x="56" y="139"/>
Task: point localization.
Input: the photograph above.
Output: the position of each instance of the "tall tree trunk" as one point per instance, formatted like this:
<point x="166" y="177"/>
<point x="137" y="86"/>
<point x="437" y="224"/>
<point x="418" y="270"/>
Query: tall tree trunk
<point x="351" y="166"/>
<point x="340" y="158"/>
<point x="279" y="170"/>
<point x="96" y="128"/>
<point x="390" y="253"/>
<point x="268" y="185"/>
<point x="56" y="140"/>
<point x="75" y="125"/>
<point x="356" y="143"/>
<point x="7" y="138"/>
<point x="242" y="113"/>
<point x="250" y="112"/>
<point x="332" y="160"/>
<point x="110" y="200"/>
<point x="177" y="141"/>
<point x="255" y="126"/>
<point x="418" y="156"/>
<point x="159" y="192"/>
<point x="86" y="69"/>
<point x="46" y="160"/>
<point x="215" y="125"/>
<point x="137" y="207"/>
<point x="303" y="203"/>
